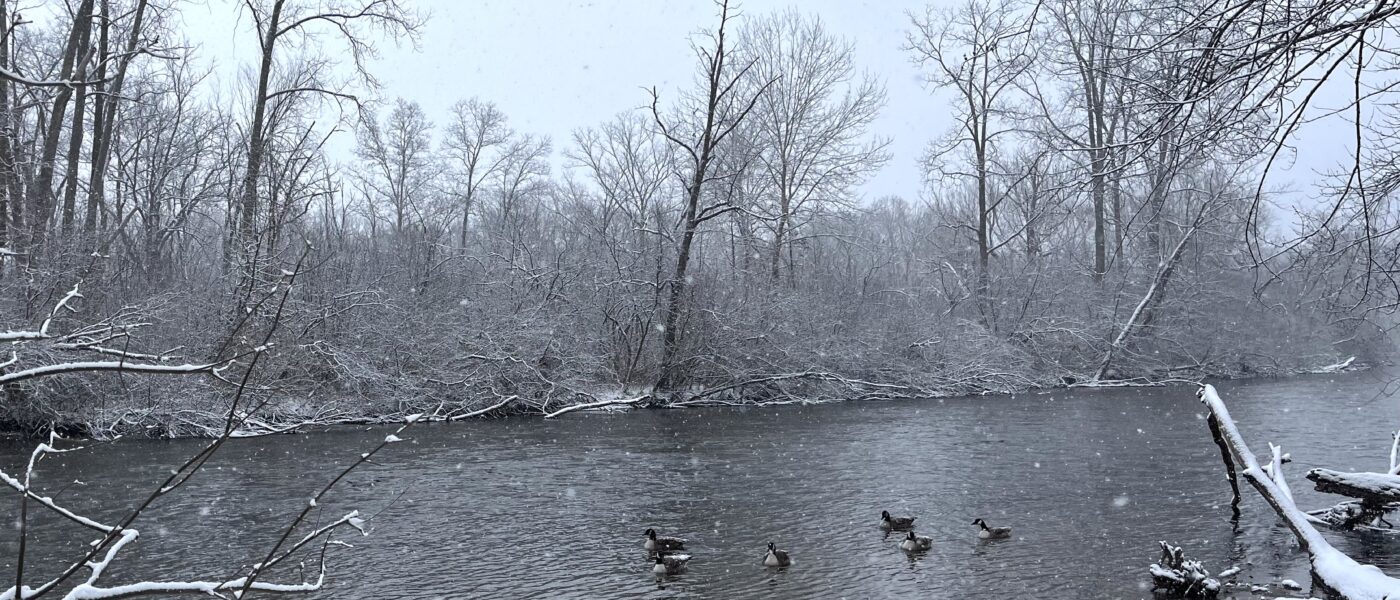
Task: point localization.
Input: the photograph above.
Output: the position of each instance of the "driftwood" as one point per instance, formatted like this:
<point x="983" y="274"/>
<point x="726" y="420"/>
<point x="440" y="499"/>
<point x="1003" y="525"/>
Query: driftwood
<point x="1370" y="488"/>
<point x="1181" y="576"/>
<point x="1355" y="514"/>
<point x="1331" y="569"/>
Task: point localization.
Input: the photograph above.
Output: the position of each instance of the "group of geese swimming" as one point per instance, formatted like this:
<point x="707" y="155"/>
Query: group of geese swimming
<point x="669" y="560"/>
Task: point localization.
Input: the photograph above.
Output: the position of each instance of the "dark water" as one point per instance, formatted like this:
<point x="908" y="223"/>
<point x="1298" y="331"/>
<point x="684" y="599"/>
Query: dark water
<point x="522" y="508"/>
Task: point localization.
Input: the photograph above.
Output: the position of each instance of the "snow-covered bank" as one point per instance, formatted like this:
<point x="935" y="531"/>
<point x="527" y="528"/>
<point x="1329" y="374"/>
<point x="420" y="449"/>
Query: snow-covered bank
<point x="799" y="387"/>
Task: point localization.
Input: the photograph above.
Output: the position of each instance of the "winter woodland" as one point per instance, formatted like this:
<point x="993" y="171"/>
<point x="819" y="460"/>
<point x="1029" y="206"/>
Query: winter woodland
<point x="291" y="245"/>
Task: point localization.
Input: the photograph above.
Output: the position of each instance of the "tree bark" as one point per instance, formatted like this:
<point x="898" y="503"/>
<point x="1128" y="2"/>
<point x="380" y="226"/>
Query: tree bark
<point x="104" y="122"/>
<point x="248" y="203"/>
<point x="41" y="193"/>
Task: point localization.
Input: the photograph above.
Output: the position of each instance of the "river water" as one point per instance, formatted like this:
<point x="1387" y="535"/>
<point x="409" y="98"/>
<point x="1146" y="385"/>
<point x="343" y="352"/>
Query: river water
<point x="523" y="508"/>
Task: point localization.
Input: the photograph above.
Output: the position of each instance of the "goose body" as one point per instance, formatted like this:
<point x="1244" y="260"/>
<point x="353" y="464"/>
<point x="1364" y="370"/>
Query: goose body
<point x="776" y="557"/>
<point x="670" y="564"/>
<point x="656" y="543"/>
<point x="895" y="523"/>
<point x="991" y="533"/>
<point x="916" y="543"/>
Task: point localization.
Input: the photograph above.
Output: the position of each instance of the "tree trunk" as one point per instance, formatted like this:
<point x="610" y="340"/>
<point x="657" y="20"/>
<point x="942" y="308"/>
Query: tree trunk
<point x="41" y="193"/>
<point x="670" y="345"/>
<point x="984" y="278"/>
<point x="104" y="122"/>
<point x="75" y="146"/>
<point x="1142" y="313"/>
<point x="1096" y="164"/>
<point x="779" y="237"/>
<point x="466" y="214"/>
<point x="248" y="206"/>
<point x="9" y="177"/>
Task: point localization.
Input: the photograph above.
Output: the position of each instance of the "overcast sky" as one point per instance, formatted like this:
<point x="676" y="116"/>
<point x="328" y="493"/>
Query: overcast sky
<point x="554" y="66"/>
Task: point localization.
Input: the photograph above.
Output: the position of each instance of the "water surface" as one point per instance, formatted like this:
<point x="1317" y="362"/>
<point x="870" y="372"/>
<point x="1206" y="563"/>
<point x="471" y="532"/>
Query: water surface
<point x="523" y="508"/>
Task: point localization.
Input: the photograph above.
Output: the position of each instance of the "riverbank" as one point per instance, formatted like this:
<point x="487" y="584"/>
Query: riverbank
<point x="292" y="413"/>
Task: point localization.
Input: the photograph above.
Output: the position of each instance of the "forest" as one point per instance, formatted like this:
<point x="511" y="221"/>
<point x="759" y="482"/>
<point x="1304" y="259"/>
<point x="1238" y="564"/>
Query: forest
<point x="1102" y="213"/>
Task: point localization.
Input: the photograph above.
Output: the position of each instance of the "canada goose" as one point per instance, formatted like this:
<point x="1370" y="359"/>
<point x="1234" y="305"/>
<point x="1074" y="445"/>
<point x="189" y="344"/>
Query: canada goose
<point x="670" y="564"/>
<point x="656" y="543"/>
<point x="991" y="533"/>
<point x="776" y="557"/>
<point x="916" y="543"/>
<point x="895" y="523"/>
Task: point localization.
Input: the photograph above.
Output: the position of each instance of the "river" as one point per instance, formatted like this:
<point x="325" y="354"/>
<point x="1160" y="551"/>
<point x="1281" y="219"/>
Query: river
<point x="1090" y="480"/>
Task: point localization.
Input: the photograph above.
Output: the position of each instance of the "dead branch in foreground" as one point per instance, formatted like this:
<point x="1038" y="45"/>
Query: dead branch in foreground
<point x="1330" y="567"/>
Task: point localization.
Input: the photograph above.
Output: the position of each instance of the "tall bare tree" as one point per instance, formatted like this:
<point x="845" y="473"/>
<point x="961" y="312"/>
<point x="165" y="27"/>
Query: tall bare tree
<point x="398" y="153"/>
<point x="811" y="126"/>
<point x="474" y="144"/>
<point x="279" y="24"/>
<point x="75" y="56"/>
<point x="980" y="49"/>
<point x="700" y="125"/>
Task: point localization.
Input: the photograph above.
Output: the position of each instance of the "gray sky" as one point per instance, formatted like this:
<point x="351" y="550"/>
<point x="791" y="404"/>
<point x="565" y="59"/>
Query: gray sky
<point x="554" y="66"/>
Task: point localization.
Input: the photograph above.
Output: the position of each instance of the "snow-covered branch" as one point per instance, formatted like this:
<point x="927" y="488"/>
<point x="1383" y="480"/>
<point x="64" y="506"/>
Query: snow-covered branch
<point x="598" y="404"/>
<point x="1337" y="571"/>
<point x="73" y="367"/>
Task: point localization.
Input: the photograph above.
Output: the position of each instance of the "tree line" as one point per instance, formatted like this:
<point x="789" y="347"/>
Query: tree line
<point x="1100" y="211"/>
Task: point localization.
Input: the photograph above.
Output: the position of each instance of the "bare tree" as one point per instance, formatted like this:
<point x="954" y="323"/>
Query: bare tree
<point x="630" y="165"/>
<point x="75" y="56"/>
<point x="981" y="50"/>
<point x="1084" y="52"/>
<point x="279" y="23"/>
<point x="398" y="154"/>
<point x="474" y="144"/>
<point x="811" y="124"/>
<point x="702" y="124"/>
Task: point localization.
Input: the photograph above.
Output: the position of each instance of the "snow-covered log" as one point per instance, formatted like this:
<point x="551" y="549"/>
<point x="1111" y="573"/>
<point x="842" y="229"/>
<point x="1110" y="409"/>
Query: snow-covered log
<point x="1371" y="488"/>
<point x="1331" y="568"/>
<point x="482" y="411"/>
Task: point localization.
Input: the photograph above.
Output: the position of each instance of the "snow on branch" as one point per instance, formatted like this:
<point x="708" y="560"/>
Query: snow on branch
<point x="482" y="411"/>
<point x="598" y="404"/>
<point x="92" y="337"/>
<point x="1340" y="367"/>
<point x="1337" y="571"/>
<point x="17" y="77"/>
<point x="73" y="367"/>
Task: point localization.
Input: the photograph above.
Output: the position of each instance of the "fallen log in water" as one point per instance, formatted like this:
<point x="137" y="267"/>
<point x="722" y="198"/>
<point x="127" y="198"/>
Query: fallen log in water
<point x="1371" y="488"/>
<point x="1331" y="568"/>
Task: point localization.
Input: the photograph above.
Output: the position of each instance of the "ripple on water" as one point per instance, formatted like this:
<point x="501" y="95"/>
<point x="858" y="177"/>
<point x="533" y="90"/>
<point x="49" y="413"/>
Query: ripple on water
<point x="522" y="508"/>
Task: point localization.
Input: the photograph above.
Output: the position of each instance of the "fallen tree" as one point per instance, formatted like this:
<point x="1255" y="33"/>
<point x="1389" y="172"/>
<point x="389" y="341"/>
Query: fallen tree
<point x="1332" y="569"/>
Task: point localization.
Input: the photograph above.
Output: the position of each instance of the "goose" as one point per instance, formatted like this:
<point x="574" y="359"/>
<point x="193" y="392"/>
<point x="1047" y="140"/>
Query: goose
<point x="776" y="557"/>
<point x="670" y="564"/>
<point x="916" y="543"/>
<point x="895" y="523"/>
<point x="657" y="543"/>
<point x="991" y="533"/>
